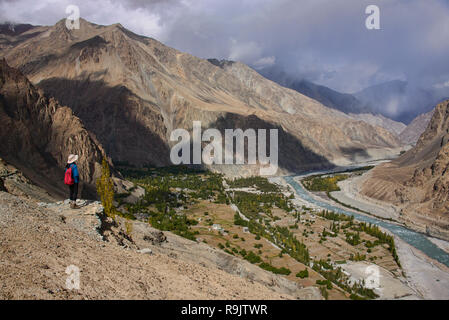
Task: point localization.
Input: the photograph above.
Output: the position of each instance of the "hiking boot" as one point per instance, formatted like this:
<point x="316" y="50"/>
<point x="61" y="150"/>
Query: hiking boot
<point x="73" y="205"/>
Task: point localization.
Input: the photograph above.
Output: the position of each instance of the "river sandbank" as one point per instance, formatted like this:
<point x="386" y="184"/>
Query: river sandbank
<point x="426" y="276"/>
<point x="349" y="194"/>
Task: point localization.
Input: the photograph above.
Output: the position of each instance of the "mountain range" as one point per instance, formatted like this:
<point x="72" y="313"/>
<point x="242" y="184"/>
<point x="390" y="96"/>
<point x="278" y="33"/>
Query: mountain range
<point x="131" y="92"/>
<point x="395" y="100"/>
<point x="400" y="100"/>
<point x="344" y="102"/>
<point x="106" y="93"/>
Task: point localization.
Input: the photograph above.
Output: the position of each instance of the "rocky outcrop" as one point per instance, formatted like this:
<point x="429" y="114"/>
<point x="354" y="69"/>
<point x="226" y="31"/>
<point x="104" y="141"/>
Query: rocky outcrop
<point x="14" y="182"/>
<point x="105" y="248"/>
<point x="418" y="181"/>
<point x="436" y="173"/>
<point x="132" y="91"/>
<point x="37" y="135"/>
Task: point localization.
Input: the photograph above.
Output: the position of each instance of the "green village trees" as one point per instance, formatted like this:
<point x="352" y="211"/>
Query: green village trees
<point x="105" y="189"/>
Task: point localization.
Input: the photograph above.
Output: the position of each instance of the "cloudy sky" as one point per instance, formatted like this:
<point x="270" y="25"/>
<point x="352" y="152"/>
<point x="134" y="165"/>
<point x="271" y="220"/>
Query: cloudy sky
<point x="324" y="41"/>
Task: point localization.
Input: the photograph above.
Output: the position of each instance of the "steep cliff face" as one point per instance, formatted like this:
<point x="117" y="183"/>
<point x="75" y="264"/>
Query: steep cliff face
<point x="418" y="181"/>
<point x="132" y="91"/>
<point x="37" y="135"/>
<point x="435" y="174"/>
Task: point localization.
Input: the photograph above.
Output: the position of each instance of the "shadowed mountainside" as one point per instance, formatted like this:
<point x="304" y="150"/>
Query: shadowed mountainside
<point x="130" y="128"/>
<point x="37" y="135"/>
<point x="132" y="91"/>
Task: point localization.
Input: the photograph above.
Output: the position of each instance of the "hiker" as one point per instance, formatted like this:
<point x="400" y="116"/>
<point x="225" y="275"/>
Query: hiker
<point x="72" y="179"/>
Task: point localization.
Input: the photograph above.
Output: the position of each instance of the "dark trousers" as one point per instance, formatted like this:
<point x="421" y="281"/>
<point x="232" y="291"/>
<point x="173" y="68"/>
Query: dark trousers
<point x="73" y="191"/>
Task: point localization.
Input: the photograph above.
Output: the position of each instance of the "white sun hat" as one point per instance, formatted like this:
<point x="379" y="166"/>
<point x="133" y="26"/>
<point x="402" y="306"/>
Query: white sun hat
<point x="72" y="158"/>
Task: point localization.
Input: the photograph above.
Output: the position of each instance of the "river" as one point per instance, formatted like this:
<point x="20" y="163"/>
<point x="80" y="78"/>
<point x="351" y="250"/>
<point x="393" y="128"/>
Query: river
<point x="415" y="239"/>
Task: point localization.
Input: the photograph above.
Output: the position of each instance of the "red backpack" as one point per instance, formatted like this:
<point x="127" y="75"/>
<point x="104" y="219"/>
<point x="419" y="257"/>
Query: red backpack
<point x="68" y="179"/>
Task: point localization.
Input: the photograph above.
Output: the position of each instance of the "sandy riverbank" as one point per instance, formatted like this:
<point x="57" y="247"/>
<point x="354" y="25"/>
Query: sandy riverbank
<point x="350" y="195"/>
<point x="444" y="245"/>
<point x="426" y="276"/>
<point x="380" y="212"/>
<point x="297" y="201"/>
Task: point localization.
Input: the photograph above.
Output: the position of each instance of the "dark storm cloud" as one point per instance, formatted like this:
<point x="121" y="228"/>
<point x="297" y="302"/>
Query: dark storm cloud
<point x="323" y="40"/>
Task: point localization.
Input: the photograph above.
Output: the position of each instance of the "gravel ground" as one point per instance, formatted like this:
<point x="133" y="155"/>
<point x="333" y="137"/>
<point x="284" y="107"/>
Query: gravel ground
<point x="39" y="242"/>
<point x="428" y="277"/>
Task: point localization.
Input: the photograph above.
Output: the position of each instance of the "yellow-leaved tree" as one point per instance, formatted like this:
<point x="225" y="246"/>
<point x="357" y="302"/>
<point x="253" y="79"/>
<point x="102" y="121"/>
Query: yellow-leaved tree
<point x="105" y="189"/>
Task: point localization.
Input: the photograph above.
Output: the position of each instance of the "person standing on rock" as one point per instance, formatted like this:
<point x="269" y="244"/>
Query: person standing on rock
<point x="72" y="178"/>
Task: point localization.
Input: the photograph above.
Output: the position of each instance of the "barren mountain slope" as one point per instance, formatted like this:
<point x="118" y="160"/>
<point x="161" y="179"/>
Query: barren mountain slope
<point x="132" y="91"/>
<point x="37" y="135"/>
<point x="418" y="181"/>
<point x="381" y="121"/>
<point x="344" y="102"/>
<point x="413" y="131"/>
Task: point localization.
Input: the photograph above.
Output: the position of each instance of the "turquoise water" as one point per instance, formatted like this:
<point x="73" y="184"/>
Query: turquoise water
<point x="415" y="239"/>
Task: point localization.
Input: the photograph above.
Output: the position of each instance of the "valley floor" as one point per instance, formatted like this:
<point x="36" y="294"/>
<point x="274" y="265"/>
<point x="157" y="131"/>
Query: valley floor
<point x="125" y="260"/>
<point x="426" y="276"/>
<point x="349" y="195"/>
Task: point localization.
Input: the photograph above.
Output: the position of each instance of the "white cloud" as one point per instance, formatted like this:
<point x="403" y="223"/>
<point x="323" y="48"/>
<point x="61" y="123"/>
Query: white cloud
<point x="48" y="12"/>
<point x="265" y="62"/>
<point x="323" y="40"/>
<point x="442" y="85"/>
<point x="244" y="51"/>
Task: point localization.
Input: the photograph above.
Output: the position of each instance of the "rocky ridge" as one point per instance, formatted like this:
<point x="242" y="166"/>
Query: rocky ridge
<point x="418" y="181"/>
<point x="132" y="91"/>
<point x="37" y="135"/>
